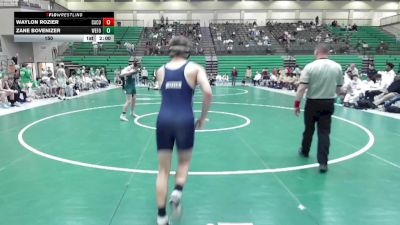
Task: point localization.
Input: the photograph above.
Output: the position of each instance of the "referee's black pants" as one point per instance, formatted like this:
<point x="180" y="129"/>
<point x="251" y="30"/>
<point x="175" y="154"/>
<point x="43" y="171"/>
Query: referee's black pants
<point x="318" y="111"/>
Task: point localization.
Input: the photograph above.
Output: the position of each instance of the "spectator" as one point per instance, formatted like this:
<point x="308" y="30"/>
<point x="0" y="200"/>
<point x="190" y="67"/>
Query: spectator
<point x="354" y="28"/>
<point x="61" y="81"/>
<point x="352" y="70"/>
<point x="118" y="44"/>
<point x="117" y="79"/>
<point x="218" y="79"/>
<point x="382" y="47"/>
<point x="130" y="48"/>
<point x="392" y="91"/>
<point x="257" y="78"/>
<point x="49" y="72"/>
<point x="95" y="47"/>
<point x="317" y="20"/>
<point x="6" y="93"/>
<point x="371" y="72"/>
<point x="21" y="95"/>
<point x="393" y="105"/>
<point x="225" y="79"/>
<point x="275" y="71"/>
<point x="53" y="86"/>
<point x="15" y="59"/>
<point x="234" y="74"/>
<point x="353" y="92"/>
<point x="318" y="38"/>
<point x="387" y="80"/>
<point x="25" y="74"/>
<point x="44" y="89"/>
<point x="248" y="75"/>
<point x="145" y="75"/>
<point x="43" y="72"/>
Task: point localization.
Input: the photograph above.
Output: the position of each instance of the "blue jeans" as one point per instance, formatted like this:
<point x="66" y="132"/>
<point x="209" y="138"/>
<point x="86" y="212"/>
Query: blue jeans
<point x="390" y="107"/>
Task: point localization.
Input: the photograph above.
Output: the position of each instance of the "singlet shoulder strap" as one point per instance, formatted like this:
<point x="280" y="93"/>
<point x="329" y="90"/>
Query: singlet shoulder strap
<point x="179" y="68"/>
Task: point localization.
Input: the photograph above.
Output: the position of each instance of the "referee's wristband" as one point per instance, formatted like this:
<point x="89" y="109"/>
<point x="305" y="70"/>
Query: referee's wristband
<point x="297" y="104"/>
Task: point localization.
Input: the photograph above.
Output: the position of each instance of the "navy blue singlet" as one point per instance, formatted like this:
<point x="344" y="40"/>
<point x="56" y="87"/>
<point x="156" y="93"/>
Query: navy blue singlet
<point x="175" y="122"/>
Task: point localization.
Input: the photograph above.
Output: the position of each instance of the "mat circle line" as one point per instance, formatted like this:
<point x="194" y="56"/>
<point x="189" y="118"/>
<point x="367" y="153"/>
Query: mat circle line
<point x="362" y="150"/>
<point x="246" y="123"/>
<point x="243" y="92"/>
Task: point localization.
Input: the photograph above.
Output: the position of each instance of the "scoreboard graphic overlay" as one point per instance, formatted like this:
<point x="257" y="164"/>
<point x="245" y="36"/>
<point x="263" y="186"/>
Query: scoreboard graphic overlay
<point x="64" y="26"/>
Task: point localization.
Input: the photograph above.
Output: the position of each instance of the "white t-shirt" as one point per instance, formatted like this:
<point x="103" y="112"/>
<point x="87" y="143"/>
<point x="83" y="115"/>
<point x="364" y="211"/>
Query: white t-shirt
<point x="257" y="76"/>
<point x="387" y="79"/>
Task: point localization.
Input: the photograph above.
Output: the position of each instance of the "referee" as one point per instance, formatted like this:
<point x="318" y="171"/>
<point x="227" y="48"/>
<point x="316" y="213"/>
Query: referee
<point x="322" y="79"/>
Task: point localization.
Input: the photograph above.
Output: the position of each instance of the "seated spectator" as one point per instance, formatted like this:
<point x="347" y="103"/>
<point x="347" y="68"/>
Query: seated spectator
<point x="353" y="91"/>
<point x="201" y="50"/>
<point x="354" y="28"/>
<point x="393" y="105"/>
<point x="53" y="86"/>
<point x="225" y="80"/>
<point x="382" y="48"/>
<point x="257" y="79"/>
<point x="229" y="48"/>
<point x="318" y="38"/>
<point x="352" y="70"/>
<point x="21" y="96"/>
<point x="69" y="89"/>
<point x="392" y="91"/>
<point x="290" y="82"/>
<point x="328" y="39"/>
<point x="44" y="89"/>
<point x="371" y="72"/>
<point x="130" y="48"/>
<point x="265" y="74"/>
<point x="211" y="79"/>
<point x="273" y="81"/>
<point x="384" y="83"/>
<point x="6" y="93"/>
<point x="103" y="81"/>
<point x="218" y="79"/>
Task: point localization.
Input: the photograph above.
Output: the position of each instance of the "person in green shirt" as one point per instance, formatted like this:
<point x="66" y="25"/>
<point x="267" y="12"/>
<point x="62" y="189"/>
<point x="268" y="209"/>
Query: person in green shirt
<point x="26" y="76"/>
<point x="92" y="73"/>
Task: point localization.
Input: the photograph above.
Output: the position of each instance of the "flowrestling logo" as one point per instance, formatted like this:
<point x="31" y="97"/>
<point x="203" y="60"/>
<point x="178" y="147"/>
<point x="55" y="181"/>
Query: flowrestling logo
<point x="173" y="85"/>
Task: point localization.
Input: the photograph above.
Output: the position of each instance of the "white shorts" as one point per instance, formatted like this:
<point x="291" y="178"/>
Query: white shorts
<point x="62" y="83"/>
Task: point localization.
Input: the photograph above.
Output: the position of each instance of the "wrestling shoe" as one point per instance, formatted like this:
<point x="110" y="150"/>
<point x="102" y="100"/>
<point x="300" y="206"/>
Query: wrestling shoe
<point x="162" y="220"/>
<point x="123" y="118"/>
<point x="175" y="202"/>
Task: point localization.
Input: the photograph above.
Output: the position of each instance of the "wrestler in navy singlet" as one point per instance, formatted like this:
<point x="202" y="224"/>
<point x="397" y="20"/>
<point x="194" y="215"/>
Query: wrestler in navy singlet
<point x="175" y="122"/>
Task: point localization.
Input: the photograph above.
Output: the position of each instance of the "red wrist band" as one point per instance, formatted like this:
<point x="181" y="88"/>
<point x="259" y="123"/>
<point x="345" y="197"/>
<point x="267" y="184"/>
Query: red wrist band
<point x="297" y="104"/>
